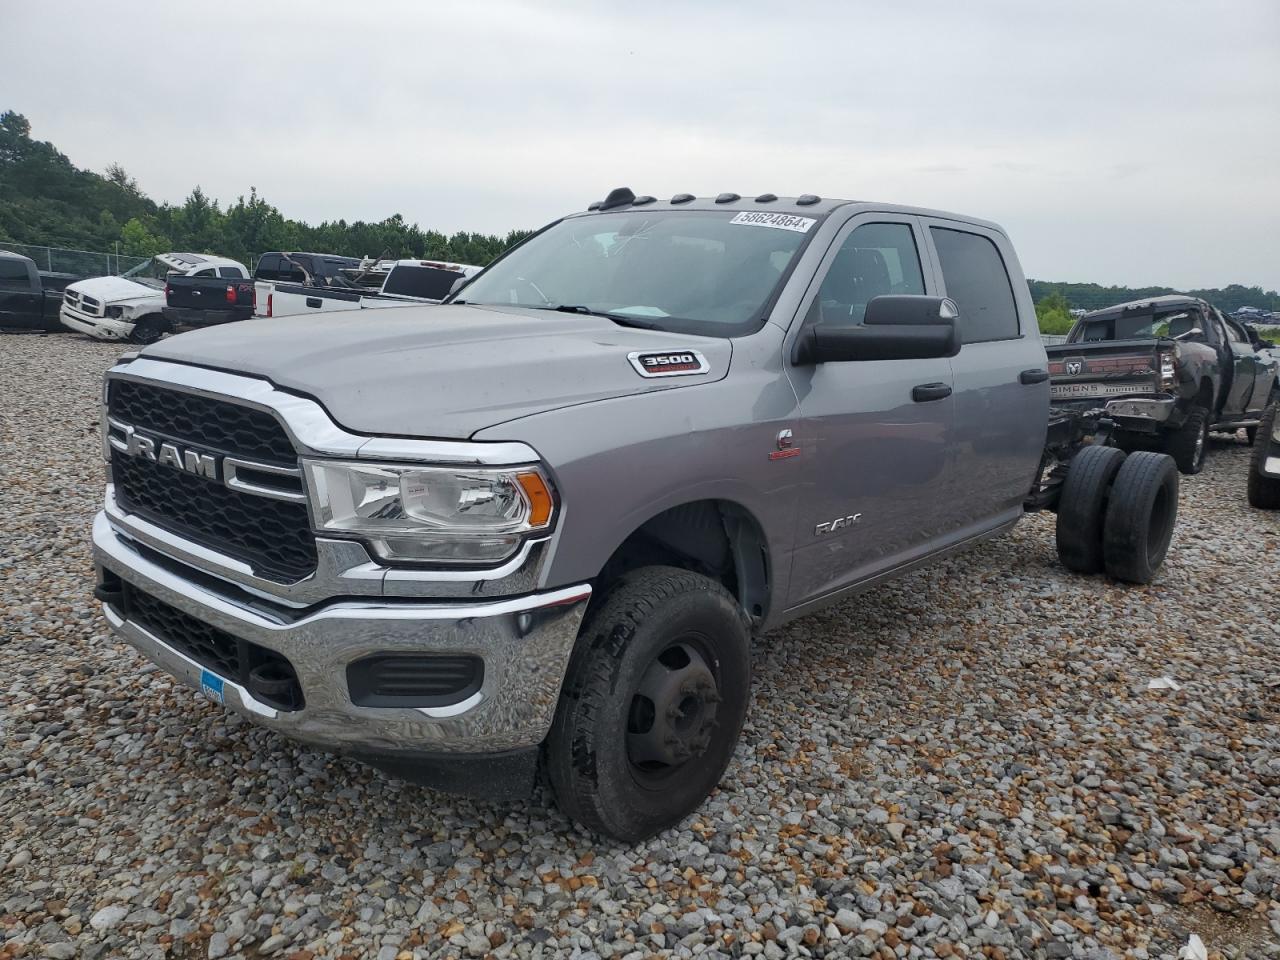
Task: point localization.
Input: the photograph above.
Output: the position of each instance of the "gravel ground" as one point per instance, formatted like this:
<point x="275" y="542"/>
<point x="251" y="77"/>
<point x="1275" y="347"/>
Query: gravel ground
<point x="965" y="762"/>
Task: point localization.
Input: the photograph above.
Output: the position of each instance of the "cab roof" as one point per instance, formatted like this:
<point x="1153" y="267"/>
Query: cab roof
<point x="804" y="205"/>
<point x="1169" y="301"/>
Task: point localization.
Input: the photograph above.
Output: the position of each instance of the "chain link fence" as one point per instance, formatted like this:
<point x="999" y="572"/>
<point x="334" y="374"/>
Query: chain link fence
<point x="84" y="263"/>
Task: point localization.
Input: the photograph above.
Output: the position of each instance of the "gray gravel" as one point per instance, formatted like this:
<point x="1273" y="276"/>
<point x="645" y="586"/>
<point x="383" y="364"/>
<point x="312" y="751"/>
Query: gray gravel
<point x="966" y="762"/>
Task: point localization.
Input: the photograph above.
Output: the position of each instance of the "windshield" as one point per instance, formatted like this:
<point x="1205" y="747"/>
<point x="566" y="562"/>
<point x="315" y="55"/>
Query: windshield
<point x="703" y="272"/>
<point x="1178" y="323"/>
<point x="153" y="269"/>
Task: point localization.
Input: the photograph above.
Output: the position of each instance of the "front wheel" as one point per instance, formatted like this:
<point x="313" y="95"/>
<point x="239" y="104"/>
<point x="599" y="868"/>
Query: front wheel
<point x="653" y="703"/>
<point x="149" y="329"/>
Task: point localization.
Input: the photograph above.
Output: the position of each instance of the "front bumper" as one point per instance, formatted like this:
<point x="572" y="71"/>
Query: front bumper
<point x="100" y="328"/>
<point x="524" y="642"/>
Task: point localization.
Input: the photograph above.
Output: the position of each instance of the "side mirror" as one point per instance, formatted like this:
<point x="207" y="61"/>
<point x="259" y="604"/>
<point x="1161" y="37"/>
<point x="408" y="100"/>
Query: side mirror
<point x="896" y="327"/>
<point x="458" y="285"/>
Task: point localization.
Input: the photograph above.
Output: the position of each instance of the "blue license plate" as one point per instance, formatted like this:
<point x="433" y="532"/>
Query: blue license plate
<point x="211" y="686"/>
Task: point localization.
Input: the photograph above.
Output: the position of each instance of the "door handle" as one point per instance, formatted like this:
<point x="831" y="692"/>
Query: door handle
<point x="1033" y="376"/>
<point x="930" y="391"/>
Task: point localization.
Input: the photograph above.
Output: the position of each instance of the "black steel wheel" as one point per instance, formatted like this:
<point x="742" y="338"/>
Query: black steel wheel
<point x="652" y="705"/>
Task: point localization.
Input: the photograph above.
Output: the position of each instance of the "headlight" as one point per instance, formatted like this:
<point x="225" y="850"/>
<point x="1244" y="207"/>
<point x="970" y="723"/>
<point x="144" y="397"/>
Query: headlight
<point x="430" y="514"/>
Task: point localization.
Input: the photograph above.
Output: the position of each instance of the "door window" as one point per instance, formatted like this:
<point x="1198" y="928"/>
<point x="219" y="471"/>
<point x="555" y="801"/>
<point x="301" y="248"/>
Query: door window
<point x="876" y="259"/>
<point x="268" y="267"/>
<point x="976" y="279"/>
<point x="233" y="273"/>
<point x="13" y="274"/>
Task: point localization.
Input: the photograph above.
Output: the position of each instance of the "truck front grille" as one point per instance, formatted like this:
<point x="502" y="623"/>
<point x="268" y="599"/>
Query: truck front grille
<point x="267" y="675"/>
<point x="272" y="536"/>
<point x="216" y="425"/>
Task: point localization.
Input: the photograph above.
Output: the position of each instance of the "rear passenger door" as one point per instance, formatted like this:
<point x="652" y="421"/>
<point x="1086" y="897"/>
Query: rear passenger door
<point x="1001" y="375"/>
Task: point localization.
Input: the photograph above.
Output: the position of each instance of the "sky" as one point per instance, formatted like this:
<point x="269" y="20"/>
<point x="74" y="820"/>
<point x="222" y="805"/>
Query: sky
<point x="1132" y="142"/>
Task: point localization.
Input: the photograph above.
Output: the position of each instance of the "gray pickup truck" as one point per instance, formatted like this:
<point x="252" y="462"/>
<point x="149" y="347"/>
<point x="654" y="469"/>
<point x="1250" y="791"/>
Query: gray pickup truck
<point x="534" y="529"/>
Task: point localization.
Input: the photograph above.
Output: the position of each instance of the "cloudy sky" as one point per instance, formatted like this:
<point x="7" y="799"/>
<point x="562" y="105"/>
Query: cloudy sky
<point x="1134" y="142"/>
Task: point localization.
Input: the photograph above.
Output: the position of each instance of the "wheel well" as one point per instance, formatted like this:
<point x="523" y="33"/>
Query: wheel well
<point x="1205" y="397"/>
<point x="716" y="538"/>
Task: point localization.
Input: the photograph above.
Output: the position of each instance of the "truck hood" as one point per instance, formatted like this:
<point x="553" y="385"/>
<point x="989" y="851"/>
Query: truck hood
<point x="442" y="371"/>
<point x="115" y="289"/>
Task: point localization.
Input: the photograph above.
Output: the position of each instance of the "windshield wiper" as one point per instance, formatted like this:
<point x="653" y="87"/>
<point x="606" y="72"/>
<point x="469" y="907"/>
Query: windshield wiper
<point x="622" y="321"/>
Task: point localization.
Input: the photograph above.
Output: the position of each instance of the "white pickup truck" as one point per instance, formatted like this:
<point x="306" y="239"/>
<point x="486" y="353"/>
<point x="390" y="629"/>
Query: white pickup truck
<point x="130" y="306"/>
<point x="406" y="282"/>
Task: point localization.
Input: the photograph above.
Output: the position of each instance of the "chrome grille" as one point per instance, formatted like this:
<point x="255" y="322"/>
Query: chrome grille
<point x="271" y="535"/>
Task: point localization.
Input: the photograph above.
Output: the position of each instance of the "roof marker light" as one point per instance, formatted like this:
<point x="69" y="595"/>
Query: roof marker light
<point x="682" y="198"/>
<point x="727" y="198"/>
<point x="807" y="200"/>
<point x="766" y="198"/>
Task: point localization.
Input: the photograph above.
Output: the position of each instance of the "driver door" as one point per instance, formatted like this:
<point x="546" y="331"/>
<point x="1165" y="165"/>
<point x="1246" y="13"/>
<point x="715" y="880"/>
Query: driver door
<point x="1243" y="396"/>
<point x="876" y="448"/>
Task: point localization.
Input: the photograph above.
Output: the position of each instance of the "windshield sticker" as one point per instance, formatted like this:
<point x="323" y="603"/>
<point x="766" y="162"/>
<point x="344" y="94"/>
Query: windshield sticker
<point x="779" y="221"/>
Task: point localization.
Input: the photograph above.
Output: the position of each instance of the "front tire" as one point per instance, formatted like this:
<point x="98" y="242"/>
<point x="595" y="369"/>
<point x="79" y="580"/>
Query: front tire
<point x="1187" y="446"/>
<point x="149" y="329"/>
<point x="1264" y="491"/>
<point x="653" y="702"/>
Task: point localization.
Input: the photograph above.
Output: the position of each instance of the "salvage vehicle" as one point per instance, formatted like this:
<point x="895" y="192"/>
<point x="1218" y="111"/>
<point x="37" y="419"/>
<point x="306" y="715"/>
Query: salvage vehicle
<point x="1168" y="370"/>
<point x="1264" y="465"/>
<point x="403" y="282"/>
<point x="131" y="306"/>
<point x="535" y="527"/>
<point x="29" y="298"/>
<point x="205" y="301"/>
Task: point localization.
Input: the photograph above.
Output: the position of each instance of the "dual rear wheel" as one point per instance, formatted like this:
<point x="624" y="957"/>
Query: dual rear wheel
<point x="1117" y="513"/>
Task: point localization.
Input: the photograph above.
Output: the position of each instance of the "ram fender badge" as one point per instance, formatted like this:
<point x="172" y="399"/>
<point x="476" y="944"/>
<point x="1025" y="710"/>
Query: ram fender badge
<point x="839" y="523"/>
<point x="668" y="363"/>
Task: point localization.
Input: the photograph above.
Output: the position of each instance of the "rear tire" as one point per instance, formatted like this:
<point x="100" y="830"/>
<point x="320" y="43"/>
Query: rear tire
<point x="1141" y="514"/>
<point x="1264" y="491"/>
<point x="149" y="329"/>
<point x="1082" y="507"/>
<point x="653" y="701"/>
<point x="1187" y="446"/>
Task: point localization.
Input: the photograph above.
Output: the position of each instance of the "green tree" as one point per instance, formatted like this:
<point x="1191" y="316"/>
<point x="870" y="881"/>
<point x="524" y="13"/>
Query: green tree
<point x="1054" y="314"/>
<point x="138" y="241"/>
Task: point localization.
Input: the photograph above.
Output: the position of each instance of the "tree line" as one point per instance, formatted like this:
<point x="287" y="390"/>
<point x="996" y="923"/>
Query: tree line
<point x="46" y="200"/>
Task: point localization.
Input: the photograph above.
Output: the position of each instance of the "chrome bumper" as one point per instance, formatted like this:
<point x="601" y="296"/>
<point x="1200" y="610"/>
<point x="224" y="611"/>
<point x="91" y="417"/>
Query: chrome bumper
<point x="1145" y="413"/>
<point x="525" y="643"/>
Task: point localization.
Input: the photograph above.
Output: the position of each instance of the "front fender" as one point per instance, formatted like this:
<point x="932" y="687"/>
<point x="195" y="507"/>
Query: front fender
<point x="618" y="463"/>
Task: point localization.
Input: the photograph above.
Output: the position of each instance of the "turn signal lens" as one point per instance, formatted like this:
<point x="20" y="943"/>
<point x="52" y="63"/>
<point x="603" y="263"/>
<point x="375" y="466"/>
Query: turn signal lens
<point x="535" y="488"/>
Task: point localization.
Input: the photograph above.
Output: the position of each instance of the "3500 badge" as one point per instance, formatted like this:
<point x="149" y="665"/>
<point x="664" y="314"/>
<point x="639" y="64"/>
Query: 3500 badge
<point x="673" y="363"/>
